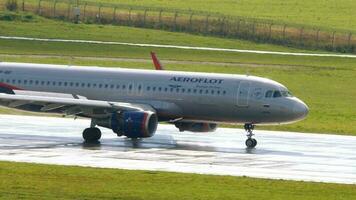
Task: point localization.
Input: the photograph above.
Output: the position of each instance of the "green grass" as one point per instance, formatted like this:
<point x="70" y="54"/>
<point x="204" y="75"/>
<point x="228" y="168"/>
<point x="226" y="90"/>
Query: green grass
<point x="33" y="181"/>
<point x="331" y="14"/>
<point x="41" y="27"/>
<point x="326" y="84"/>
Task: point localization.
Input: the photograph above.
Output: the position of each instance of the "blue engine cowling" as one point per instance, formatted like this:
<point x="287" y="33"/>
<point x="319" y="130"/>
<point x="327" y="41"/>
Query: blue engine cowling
<point x="134" y="124"/>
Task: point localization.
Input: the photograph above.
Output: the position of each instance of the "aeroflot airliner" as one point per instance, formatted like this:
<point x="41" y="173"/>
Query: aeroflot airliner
<point x="131" y="102"/>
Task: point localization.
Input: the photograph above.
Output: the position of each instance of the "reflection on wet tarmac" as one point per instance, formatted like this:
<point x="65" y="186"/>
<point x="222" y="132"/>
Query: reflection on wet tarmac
<point x="279" y="155"/>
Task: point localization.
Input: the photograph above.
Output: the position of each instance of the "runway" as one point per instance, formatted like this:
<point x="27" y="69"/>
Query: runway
<point x="279" y="155"/>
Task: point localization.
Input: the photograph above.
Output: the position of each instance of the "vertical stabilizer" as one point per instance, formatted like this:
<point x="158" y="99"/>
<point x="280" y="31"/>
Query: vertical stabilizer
<point x="156" y="62"/>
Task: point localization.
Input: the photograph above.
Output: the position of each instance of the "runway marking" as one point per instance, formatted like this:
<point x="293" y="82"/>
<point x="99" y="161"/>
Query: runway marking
<point x="279" y="155"/>
<point x="179" y="47"/>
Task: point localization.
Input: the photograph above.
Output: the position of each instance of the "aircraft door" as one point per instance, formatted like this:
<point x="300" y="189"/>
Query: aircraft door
<point x="243" y="94"/>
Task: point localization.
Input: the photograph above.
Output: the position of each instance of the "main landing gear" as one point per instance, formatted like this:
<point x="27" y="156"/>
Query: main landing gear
<point x="250" y="142"/>
<point x="92" y="134"/>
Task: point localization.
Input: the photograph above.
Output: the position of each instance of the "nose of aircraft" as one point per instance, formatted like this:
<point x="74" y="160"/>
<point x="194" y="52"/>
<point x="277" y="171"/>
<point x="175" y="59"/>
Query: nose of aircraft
<point x="300" y="109"/>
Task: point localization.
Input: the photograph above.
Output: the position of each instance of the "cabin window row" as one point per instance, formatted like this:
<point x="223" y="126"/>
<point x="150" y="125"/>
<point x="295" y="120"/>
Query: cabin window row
<point x="113" y="86"/>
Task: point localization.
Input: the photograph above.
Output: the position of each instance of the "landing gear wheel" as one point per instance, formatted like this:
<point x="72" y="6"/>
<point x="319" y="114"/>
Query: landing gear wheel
<point x="254" y="142"/>
<point x="251" y="143"/>
<point x="91" y="135"/>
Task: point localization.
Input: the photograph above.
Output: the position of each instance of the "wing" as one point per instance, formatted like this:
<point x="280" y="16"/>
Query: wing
<point x="66" y="104"/>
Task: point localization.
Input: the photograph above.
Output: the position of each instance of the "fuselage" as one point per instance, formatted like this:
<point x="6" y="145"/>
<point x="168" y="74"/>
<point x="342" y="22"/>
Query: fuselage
<point x="188" y="96"/>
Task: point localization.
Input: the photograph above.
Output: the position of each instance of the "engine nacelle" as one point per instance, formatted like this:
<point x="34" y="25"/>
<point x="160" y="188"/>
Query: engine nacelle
<point x="132" y="124"/>
<point x="196" y="127"/>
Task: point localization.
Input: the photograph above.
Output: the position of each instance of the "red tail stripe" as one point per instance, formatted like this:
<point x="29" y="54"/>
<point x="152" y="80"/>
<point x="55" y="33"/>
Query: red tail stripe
<point x="156" y="62"/>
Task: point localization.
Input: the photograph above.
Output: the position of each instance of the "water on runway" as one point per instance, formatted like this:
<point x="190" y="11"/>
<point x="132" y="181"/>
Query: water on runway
<point x="278" y="155"/>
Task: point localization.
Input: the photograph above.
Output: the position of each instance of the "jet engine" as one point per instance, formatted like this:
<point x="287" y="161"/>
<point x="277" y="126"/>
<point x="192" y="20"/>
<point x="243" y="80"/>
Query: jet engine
<point x="133" y="124"/>
<point x="196" y="127"/>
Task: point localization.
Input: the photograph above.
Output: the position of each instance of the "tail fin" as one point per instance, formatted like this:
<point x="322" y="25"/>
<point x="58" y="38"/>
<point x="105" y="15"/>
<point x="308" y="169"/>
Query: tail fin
<point x="156" y="62"/>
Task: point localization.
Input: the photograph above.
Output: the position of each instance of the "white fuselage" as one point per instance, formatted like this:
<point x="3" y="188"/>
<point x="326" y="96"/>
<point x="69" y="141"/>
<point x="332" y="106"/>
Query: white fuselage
<point x="206" y="97"/>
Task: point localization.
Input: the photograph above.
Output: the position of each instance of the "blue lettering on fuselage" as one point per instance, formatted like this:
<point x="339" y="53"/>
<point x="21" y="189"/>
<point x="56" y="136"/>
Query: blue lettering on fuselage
<point x="196" y="80"/>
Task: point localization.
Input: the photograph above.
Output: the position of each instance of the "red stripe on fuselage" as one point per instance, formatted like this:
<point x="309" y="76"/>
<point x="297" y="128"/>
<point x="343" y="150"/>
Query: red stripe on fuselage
<point x="11" y="87"/>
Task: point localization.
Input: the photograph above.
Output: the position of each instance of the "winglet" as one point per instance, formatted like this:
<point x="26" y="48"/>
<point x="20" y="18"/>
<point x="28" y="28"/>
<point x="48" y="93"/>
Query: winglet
<point x="156" y="62"/>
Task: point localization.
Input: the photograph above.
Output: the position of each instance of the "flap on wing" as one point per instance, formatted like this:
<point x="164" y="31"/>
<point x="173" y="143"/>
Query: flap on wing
<point x="71" y="106"/>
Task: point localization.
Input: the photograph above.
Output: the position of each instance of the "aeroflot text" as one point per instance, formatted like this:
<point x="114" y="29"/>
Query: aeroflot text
<point x="196" y="80"/>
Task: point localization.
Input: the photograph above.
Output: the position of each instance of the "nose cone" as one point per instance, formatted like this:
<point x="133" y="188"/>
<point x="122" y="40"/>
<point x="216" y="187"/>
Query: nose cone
<point x="300" y="110"/>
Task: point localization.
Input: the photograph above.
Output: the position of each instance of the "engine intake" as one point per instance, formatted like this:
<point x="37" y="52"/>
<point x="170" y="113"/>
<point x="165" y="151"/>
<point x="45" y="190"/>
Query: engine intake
<point x="133" y="124"/>
<point x="196" y="127"/>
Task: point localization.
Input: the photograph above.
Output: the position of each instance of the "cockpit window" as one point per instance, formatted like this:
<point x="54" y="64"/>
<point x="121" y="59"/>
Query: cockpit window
<point x="277" y="94"/>
<point x="286" y="94"/>
<point x="269" y="94"/>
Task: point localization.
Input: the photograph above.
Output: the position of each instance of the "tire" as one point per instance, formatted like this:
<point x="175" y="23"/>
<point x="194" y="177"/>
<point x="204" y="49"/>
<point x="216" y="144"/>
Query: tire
<point x="250" y="143"/>
<point x="254" y="142"/>
<point x="91" y="135"/>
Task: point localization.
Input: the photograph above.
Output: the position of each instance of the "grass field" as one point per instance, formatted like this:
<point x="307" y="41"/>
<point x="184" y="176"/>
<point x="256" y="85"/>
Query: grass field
<point x="32" y="181"/>
<point x="326" y="84"/>
<point x="331" y="14"/>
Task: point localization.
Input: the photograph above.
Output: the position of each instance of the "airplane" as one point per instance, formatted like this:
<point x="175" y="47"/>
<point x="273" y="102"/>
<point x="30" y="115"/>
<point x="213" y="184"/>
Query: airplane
<point x="131" y="102"/>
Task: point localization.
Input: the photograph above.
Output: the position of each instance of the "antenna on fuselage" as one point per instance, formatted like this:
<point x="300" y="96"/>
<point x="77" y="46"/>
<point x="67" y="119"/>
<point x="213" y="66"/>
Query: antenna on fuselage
<point x="70" y="60"/>
<point x="247" y="72"/>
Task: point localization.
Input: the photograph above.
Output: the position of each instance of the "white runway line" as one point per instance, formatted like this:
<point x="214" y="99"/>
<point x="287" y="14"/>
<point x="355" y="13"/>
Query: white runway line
<point x="179" y="47"/>
<point x="279" y="155"/>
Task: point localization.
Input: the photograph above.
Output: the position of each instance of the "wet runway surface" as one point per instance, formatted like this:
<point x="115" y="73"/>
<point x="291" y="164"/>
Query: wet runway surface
<point x="278" y="155"/>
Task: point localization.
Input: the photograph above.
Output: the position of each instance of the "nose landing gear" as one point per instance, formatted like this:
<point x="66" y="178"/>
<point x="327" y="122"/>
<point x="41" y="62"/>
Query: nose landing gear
<point x="250" y="142"/>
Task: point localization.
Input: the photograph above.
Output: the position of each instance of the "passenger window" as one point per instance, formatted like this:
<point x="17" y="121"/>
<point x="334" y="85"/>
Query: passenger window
<point x="277" y="94"/>
<point x="269" y="94"/>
